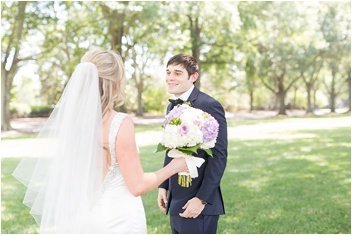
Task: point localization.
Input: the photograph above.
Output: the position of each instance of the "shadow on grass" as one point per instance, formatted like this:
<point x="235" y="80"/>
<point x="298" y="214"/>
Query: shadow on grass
<point x="297" y="186"/>
<point x="15" y="217"/>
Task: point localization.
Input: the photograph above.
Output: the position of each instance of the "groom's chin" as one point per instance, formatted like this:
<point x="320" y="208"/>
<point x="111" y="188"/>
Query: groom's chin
<point x="171" y="91"/>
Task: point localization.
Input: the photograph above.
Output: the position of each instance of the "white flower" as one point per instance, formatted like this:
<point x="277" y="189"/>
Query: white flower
<point x="171" y="137"/>
<point x="208" y="145"/>
<point x="184" y="127"/>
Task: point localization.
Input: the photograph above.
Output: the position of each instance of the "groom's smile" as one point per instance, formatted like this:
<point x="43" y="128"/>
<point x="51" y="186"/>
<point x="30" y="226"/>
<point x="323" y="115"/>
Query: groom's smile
<point x="178" y="80"/>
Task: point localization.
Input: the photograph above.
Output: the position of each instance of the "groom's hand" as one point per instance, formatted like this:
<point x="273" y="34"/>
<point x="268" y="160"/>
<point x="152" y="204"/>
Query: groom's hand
<point x="162" y="199"/>
<point x="193" y="208"/>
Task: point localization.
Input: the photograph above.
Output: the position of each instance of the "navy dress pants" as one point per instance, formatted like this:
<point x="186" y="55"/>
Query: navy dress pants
<point x="203" y="224"/>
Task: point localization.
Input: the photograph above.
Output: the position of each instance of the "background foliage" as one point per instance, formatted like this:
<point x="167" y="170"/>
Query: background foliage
<point x="253" y="55"/>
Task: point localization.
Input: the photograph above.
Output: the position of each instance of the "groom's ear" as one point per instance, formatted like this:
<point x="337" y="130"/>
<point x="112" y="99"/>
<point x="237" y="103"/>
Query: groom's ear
<point x="194" y="77"/>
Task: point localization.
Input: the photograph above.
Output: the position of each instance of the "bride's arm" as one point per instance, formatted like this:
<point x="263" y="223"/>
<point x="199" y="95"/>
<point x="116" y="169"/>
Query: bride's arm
<point x="138" y="181"/>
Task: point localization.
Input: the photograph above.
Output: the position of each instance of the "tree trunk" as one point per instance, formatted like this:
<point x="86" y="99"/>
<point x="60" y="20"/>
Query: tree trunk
<point x="140" y="109"/>
<point x="140" y="88"/>
<point x="332" y="91"/>
<point x="275" y="103"/>
<point x="116" y="29"/>
<point x="332" y="103"/>
<point x="349" y="89"/>
<point x="195" y="38"/>
<point x="315" y="98"/>
<point x="5" y="101"/>
<point x="281" y="96"/>
<point x="251" y="96"/>
<point x="293" y="106"/>
<point x="8" y="75"/>
<point x="309" y="96"/>
<point x="282" y="108"/>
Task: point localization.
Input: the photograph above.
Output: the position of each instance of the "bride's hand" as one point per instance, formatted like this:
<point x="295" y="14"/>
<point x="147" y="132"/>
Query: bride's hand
<point x="179" y="164"/>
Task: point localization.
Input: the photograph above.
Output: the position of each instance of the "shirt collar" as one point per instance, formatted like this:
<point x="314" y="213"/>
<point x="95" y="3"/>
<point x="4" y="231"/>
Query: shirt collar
<point x="186" y="95"/>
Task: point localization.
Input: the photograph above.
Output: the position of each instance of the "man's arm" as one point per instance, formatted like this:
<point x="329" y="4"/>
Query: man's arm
<point x="216" y="164"/>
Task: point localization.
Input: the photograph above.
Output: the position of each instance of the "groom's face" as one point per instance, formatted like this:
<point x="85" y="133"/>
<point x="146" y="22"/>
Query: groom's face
<point x="178" y="80"/>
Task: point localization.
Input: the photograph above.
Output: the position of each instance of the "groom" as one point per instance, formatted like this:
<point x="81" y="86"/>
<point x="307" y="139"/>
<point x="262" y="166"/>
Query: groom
<point x="195" y="209"/>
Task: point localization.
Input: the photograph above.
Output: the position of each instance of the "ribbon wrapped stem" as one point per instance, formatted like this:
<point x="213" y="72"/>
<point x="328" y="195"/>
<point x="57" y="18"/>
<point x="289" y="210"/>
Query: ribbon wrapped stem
<point x="185" y="178"/>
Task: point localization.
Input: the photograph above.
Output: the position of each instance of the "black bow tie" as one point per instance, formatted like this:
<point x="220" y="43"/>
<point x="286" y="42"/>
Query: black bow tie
<point x="176" y="102"/>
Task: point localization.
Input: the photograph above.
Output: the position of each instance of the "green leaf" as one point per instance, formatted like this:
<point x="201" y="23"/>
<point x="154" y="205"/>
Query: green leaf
<point x="191" y="149"/>
<point x="209" y="152"/>
<point x="187" y="152"/>
<point x="175" y="121"/>
<point x="161" y="148"/>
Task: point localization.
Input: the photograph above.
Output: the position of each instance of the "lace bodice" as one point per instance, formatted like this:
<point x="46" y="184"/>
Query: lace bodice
<point x="114" y="177"/>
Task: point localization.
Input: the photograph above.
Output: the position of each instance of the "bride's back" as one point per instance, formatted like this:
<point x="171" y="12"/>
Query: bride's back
<point x="108" y="215"/>
<point x="107" y="119"/>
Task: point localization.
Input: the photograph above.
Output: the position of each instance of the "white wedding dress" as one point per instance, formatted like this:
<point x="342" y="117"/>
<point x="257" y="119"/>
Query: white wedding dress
<point x="66" y="191"/>
<point x="117" y="210"/>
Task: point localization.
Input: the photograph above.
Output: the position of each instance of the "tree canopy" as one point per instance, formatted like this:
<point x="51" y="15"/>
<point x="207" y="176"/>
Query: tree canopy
<point x="253" y="55"/>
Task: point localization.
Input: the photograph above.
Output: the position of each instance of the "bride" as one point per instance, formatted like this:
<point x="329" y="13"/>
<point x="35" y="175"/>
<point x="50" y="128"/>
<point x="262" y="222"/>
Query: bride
<point x="89" y="178"/>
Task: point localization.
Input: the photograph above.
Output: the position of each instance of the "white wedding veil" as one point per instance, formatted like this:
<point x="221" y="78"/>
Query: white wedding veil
<point x="65" y="180"/>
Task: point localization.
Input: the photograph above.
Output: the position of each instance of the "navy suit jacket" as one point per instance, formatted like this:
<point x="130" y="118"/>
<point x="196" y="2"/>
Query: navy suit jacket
<point x="207" y="185"/>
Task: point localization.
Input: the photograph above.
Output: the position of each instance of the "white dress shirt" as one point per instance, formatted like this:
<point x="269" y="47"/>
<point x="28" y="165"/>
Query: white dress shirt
<point x="186" y="95"/>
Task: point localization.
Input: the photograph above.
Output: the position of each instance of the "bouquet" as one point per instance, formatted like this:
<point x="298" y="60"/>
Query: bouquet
<point x="186" y="130"/>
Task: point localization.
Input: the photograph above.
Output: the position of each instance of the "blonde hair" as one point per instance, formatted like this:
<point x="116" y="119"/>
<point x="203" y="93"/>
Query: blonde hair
<point x="111" y="74"/>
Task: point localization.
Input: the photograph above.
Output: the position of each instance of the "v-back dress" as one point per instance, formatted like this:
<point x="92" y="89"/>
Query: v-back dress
<point x="117" y="210"/>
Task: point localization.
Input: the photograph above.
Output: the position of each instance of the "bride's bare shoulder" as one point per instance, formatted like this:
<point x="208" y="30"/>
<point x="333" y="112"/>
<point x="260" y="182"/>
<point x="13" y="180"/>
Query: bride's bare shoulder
<point x="127" y="123"/>
<point x="126" y="132"/>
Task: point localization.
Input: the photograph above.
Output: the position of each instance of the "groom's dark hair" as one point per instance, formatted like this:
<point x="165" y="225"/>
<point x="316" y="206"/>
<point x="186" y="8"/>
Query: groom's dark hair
<point x="187" y="61"/>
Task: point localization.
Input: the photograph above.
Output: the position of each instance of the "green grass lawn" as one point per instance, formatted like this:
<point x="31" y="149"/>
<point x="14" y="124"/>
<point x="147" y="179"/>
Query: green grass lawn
<point x="138" y="128"/>
<point x="282" y="186"/>
<point x="295" y="186"/>
<point x="20" y="136"/>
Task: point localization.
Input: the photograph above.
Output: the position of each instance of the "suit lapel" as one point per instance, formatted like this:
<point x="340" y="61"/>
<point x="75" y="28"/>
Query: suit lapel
<point x="194" y="95"/>
<point x="168" y="109"/>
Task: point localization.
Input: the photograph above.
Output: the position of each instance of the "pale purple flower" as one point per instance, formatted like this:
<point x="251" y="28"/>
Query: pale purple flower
<point x="210" y="129"/>
<point x="197" y="123"/>
<point x="174" y="113"/>
<point x="186" y="127"/>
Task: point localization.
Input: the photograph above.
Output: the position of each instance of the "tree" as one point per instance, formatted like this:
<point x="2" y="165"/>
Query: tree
<point x="65" y="43"/>
<point x="348" y="79"/>
<point x="21" y="21"/>
<point x="201" y="31"/>
<point x="10" y="61"/>
<point x="310" y="72"/>
<point x="310" y="49"/>
<point x="115" y="14"/>
<point x="141" y="38"/>
<point x="246" y="40"/>
<point x="278" y="70"/>
<point x="140" y="60"/>
<point x="335" y="26"/>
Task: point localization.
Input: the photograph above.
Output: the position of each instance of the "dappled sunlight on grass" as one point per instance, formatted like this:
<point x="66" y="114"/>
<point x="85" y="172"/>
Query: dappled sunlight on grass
<point x="254" y="184"/>
<point x="269" y="186"/>
<point x="289" y="186"/>
<point x="284" y="129"/>
<point x="15" y="217"/>
<point x="275" y="213"/>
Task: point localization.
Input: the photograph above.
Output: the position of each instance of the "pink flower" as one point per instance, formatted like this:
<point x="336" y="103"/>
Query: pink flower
<point x="184" y="129"/>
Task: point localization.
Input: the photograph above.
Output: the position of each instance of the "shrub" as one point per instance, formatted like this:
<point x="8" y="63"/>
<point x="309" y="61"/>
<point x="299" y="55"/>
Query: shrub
<point x="41" y="111"/>
<point x="19" y="110"/>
